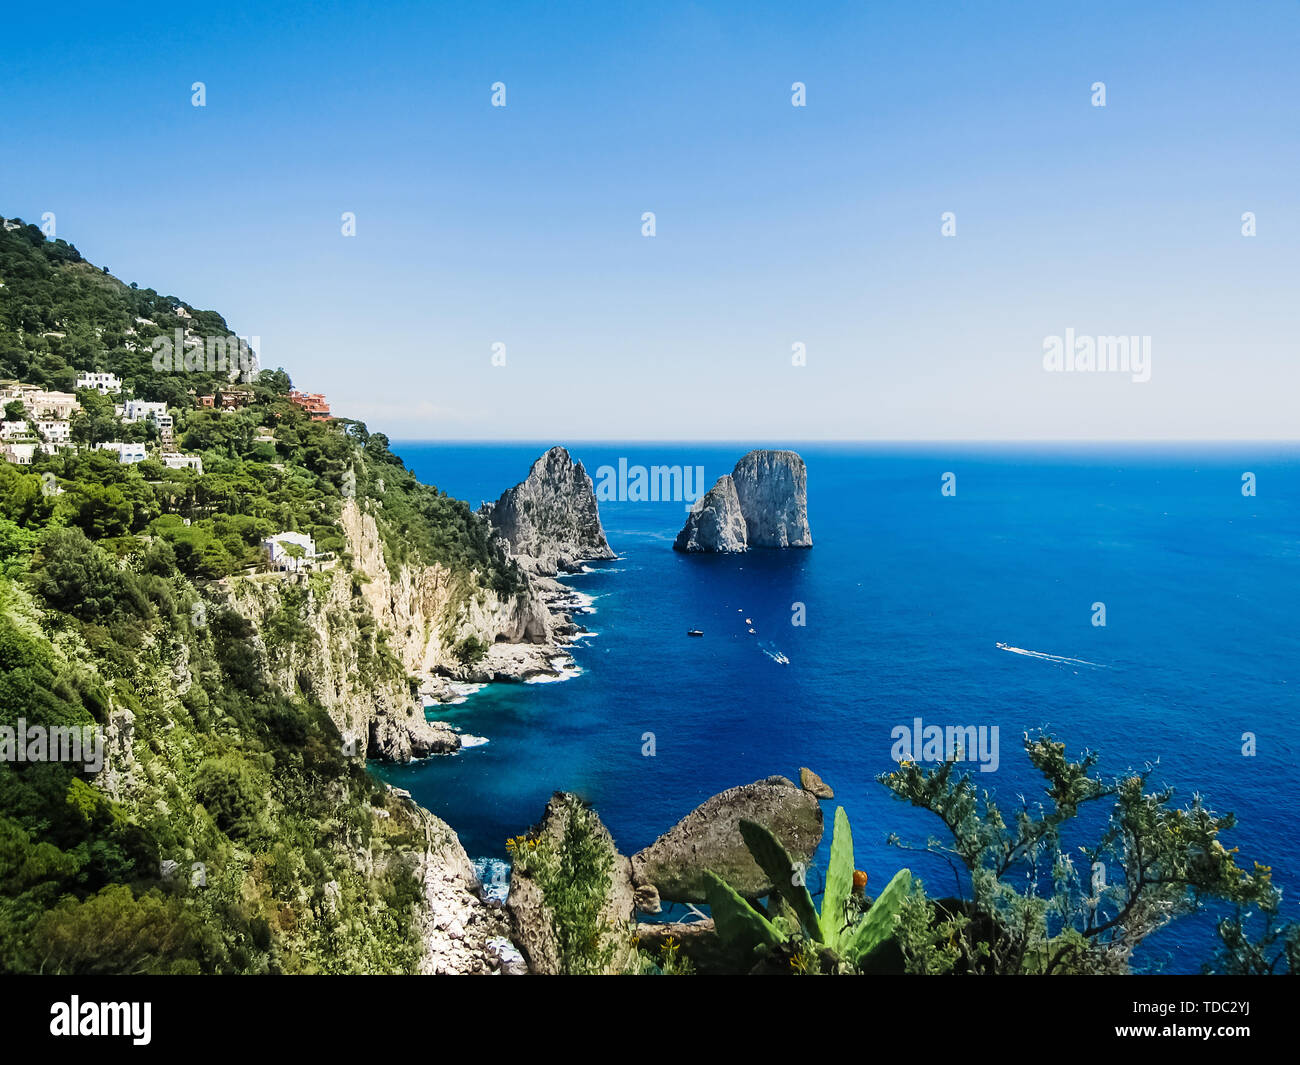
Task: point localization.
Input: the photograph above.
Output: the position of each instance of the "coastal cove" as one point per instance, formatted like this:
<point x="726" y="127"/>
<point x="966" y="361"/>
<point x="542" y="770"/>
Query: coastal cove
<point x="906" y="597"/>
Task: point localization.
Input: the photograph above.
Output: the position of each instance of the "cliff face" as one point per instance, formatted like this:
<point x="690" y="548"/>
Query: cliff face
<point x="773" y="490"/>
<point x="351" y="638"/>
<point x="550" y="519"/>
<point x="336" y="655"/>
<point x="762" y="503"/>
<point x="717" y="524"/>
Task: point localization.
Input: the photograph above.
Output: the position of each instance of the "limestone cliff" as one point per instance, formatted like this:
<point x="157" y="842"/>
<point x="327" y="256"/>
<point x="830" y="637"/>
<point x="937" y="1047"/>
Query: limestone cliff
<point x="762" y="503"/>
<point x="717" y="524"/>
<point x="550" y="520"/>
<point x="360" y="634"/>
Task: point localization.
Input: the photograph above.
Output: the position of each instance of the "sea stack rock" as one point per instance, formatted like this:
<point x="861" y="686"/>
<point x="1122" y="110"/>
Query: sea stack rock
<point x="550" y="520"/>
<point x="762" y="503"/>
<point x="717" y="524"/>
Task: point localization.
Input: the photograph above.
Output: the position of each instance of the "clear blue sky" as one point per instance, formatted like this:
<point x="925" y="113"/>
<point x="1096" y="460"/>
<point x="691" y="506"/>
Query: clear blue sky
<point x="775" y="224"/>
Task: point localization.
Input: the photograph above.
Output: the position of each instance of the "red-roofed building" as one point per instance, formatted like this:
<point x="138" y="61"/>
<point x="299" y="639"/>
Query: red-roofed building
<point x="313" y="403"/>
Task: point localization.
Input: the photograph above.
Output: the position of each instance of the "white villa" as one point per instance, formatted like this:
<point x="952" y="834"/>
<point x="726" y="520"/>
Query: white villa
<point x="20" y="454"/>
<point x="127" y="453"/>
<point x="281" y="559"/>
<point x="54" y="432"/>
<point x="38" y="402"/>
<point x="174" y="460"/>
<point x="14" y="430"/>
<point x="103" y="383"/>
<point x="134" y="410"/>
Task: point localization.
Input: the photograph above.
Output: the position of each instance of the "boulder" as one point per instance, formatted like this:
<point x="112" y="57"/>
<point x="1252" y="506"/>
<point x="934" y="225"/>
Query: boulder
<point x="399" y="739"/>
<point x="647" y="899"/>
<point x="708" y="838"/>
<point x="814" y="785"/>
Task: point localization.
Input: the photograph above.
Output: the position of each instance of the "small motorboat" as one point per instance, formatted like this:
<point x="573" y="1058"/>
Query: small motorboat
<point x="752" y="633"/>
<point x="694" y="632"/>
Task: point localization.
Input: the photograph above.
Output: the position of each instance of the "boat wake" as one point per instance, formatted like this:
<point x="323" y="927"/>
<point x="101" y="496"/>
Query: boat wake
<point x="1060" y="660"/>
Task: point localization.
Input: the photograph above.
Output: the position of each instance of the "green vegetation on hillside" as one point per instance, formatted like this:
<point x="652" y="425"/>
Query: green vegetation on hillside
<point x="222" y="834"/>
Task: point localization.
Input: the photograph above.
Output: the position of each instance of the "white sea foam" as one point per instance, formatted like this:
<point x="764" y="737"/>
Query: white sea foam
<point x="565" y="668"/>
<point x="494" y="875"/>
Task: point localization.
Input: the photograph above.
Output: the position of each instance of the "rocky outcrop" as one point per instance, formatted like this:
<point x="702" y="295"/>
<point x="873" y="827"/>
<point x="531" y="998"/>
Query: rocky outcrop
<point x="459" y="933"/>
<point x="814" y="785"/>
<point x="424" y="612"/>
<point x="716" y="523"/>
<point x="708" y="838"/>
<point x="531" y="918"/>
<point x="550" y="520"/>
<point x="762" y="503"/>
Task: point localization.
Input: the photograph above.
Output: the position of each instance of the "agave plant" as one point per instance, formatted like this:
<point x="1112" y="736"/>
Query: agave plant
<point x="842" y="927"/>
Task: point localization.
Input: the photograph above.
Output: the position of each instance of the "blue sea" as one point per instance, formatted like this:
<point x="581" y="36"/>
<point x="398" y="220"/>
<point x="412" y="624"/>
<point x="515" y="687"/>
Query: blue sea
<point x="906" y="595"/>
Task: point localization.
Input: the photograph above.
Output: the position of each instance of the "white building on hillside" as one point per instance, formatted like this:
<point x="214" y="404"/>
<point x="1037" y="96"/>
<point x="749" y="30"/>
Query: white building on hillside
<point x="281" y="558"/>
<point x="166" y="429"/>
<point x="127" y="453"/>
<point x="173" y="460"/>
<point x="38" y="402"/>
<point x="134" y="410"/>
<point x="20" y="454"/>
<point x="103" y="383"/>
<point x="55" y="432"/>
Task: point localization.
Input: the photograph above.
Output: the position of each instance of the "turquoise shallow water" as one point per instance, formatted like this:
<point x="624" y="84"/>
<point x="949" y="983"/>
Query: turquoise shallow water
<point x="906" y="595"/>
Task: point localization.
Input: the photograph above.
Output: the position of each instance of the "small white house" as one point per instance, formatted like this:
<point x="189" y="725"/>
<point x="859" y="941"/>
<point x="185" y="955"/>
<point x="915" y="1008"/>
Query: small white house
<point x="276" y="550"/>
<point x="20" y="454"/>
<point x="55" y="432"/>
<point x="134" y="410"/>
<point x="14" y="430"/>
<point x="103" y="383"/>
<point x="174" y="460"/>
<point x="128" y="453"/>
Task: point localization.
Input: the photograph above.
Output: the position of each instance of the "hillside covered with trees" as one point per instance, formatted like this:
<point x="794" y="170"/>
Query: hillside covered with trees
<point x="233" y="846"/>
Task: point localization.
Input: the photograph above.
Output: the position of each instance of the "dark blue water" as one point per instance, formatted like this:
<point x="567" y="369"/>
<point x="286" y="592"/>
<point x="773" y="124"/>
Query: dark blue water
<point x="906" y="594"/>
